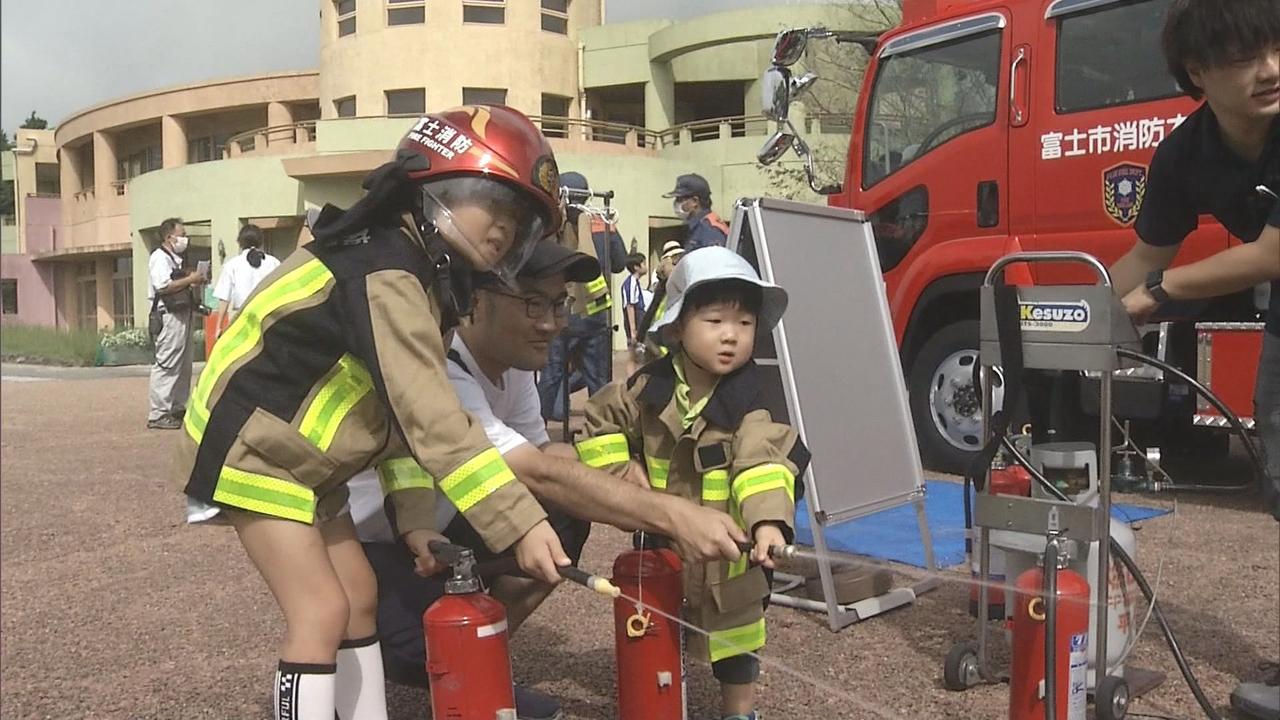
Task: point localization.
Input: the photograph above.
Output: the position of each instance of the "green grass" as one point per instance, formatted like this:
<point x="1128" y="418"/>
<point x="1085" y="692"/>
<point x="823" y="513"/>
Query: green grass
<point x="48" y="345"/>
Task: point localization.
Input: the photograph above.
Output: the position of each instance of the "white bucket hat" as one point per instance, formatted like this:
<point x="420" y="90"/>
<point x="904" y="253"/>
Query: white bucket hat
<point x="712" y="264"/>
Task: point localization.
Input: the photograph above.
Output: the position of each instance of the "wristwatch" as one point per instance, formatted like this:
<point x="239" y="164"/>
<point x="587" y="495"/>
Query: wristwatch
<point x="1154" y="280"/>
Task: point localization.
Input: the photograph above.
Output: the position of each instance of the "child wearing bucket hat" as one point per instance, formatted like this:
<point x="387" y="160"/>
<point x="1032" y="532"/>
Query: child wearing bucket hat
<point x="696" y="421"/>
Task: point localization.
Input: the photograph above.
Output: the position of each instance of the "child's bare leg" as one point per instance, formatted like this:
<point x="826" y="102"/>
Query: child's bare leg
<point x="361" y="689"/>
<point x="354" y="573"/>
<point x="737" y="699"/>
<point x="292" y="558"/>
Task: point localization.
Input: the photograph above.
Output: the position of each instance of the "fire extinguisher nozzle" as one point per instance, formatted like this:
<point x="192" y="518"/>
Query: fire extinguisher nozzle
<point x="589" y="581"/>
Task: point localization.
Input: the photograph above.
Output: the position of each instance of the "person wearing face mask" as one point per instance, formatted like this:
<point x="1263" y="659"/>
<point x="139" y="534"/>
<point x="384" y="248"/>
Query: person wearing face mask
<point x="171" y="290"/>
<point x="337" y="364"/>
<point x="691" y="201"/>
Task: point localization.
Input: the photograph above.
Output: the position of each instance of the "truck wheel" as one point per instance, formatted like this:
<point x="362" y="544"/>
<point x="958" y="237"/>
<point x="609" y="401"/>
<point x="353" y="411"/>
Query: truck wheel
<point x="946" y="407"/>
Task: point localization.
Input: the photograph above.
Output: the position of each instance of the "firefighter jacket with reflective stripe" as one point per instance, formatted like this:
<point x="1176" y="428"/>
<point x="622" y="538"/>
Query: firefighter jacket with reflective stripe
<point x="705" y="230"/>
<point x="337" y="363"/>
<point x="594" y="297"/>
<point x="733" y="457"/>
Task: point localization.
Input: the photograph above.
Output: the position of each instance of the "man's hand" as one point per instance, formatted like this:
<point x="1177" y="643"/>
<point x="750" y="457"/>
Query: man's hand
<point x="767" y="535"/>
<point x="702" y="533"/>
<point x="419" y="543"/>
<point x="636" y="474"/>
<point x="1140" y="304"/>
<point x="539" y="553"/>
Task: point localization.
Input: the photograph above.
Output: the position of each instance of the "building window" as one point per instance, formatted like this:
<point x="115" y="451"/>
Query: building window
<point x="484" y="12"/>
<point x="122" y="291"/>
<point x="204" y="149"/>
<point x="555" y="106"/>
<point x="406" y="12"/>
<point x="346" y="10"/>
<point x="9" y="296"/>
<point x="48" y="179"/>
<point x="484" y="96"/>
<point x="87" y="295"/>
<point x="555" y="16"/>
<point x="139" y="163"/>
<point x="345" y="106"/>
<point x="406" y="102"/>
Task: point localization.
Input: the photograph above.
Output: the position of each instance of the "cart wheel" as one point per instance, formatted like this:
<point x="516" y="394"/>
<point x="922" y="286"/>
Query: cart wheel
<point x="1111" y="699"/>
<point x="960" y="669"/>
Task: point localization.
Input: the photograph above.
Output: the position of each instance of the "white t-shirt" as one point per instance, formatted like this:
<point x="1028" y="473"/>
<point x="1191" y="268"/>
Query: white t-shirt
<point x="239" y="278"/>
<point x="160" y="267"/>
<point x="510" y="414"/>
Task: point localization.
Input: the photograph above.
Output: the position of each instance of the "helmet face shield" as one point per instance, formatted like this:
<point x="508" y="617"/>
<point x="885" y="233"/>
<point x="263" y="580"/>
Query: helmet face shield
<point x="494" y="225"/>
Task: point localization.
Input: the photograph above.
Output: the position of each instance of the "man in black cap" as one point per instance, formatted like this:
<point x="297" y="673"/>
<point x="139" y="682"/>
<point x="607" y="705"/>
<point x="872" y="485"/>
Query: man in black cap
<point x="692" y="202"/>
<point x="491" y="362"/>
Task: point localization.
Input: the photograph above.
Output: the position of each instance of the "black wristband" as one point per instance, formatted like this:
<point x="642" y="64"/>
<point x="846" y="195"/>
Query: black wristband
<point x="1154" y="286"/>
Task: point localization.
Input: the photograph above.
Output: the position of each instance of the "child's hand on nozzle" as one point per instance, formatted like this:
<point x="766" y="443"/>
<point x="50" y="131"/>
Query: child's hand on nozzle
<point x="767" y="535"/>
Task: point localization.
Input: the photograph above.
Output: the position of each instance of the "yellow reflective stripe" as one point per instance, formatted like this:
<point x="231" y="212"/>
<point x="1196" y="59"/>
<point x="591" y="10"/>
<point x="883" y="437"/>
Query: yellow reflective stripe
<point x="245" y="333"/>
<point x="762" y="478"/>
<point x="477" y="479"/>
<point x="737" y="641"/>
<point x="348" y="382"/>
<point x="265" y="494"/>
<point x="403" y="473"/>
<point x="596" y="287"/>
<point x="715" y="485"/>
<point x="603" y="451"/>
<point x="658" y="470"/>
<point x="601" y="304"/>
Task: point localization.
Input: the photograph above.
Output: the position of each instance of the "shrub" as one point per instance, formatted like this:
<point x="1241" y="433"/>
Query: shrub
<point x="38" y="344"/>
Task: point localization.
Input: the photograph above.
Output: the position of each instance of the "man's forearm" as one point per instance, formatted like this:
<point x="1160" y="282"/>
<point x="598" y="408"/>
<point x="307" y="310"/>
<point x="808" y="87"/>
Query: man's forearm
<point x="1229" y="271"/>
<point x="590" y="494"/>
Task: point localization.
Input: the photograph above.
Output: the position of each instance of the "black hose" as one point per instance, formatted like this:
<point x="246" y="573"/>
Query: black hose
<point x="1141" y="579"/>
<point x="1259" y="469"/>
<point x="1051" y="629"/>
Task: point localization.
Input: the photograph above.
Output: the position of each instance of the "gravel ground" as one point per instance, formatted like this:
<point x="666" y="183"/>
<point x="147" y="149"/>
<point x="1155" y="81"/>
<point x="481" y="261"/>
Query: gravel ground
<point x="111" y="608"/>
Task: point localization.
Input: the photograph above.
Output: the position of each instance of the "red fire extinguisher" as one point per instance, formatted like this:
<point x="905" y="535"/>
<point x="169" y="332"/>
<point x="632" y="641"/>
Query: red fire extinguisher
<point x="1005" y="479"/>
<point x="468" y="663"/>
<point x="1033" y="615"/>
<point x="649" y="647"/>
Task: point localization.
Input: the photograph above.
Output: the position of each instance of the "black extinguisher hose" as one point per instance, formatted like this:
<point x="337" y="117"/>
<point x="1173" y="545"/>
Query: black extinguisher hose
<point x="1145" y="586"/>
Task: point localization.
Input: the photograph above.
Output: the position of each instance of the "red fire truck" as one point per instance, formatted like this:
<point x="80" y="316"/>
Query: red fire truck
<point x="985" y="127"/>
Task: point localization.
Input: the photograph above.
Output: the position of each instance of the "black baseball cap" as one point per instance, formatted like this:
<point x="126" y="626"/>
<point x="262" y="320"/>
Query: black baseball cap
<point x="550" y="257"/>
<point x="691" y="185"/>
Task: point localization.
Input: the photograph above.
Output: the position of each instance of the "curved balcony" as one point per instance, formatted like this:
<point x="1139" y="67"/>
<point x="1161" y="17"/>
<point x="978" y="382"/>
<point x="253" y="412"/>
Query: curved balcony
<point x="290" y="137"/>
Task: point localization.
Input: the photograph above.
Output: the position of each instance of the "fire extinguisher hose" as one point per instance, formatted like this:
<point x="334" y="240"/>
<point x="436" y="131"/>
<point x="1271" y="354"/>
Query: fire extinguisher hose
<point x="1172" y="641"/>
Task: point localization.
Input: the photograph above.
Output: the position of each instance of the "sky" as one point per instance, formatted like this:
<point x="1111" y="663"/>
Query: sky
<point x="60" y="56"/>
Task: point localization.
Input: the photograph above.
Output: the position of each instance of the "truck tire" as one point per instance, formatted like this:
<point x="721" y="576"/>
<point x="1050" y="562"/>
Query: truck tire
<point x="945" y="406"/>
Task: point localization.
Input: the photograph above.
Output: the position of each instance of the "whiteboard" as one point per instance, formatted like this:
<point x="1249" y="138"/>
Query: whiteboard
<point x="831" y="367"/>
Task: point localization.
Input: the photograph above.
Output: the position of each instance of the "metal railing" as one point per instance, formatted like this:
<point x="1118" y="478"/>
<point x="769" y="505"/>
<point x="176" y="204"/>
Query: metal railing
<point x="260" y="138"/>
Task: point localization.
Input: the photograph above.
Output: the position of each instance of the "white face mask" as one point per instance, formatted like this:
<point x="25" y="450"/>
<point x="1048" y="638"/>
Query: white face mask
<point x="677" y="206"/>
<point x="180" y="243"/>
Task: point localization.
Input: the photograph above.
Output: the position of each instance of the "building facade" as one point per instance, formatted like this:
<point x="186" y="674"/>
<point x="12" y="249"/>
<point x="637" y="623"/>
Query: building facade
<point x="629" y="105"/>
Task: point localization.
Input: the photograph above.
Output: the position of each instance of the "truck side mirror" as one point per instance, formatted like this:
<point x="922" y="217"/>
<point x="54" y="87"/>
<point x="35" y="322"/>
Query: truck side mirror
<point x="775" y="146"/>
<point x="775" y="93"/>
<point x="789" y="46"/>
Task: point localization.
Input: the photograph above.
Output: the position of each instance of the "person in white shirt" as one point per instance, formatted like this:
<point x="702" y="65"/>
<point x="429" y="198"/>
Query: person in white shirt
<point x="171" y="293"/>
<point x="491" y="362"/>
<point x="240" y="275"/>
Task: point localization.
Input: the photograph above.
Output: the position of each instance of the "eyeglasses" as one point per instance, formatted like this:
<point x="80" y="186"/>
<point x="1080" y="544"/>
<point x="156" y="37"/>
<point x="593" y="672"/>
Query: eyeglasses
<point x="536" y="306"/>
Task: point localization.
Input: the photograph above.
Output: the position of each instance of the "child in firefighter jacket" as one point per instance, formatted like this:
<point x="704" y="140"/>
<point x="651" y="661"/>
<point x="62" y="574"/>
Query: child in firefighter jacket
<point x="337" y="363"/>
<point x="696" y="420"/>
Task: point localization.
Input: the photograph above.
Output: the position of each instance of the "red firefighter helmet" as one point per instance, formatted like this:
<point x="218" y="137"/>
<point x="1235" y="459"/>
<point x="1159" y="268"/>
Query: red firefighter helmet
<point x="488" y="155"/>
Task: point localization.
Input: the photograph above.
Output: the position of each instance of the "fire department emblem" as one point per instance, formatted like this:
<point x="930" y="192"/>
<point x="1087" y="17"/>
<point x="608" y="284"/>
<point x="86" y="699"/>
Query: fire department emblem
<point x="1123" y="187"/>
<point x="547" y="176"/>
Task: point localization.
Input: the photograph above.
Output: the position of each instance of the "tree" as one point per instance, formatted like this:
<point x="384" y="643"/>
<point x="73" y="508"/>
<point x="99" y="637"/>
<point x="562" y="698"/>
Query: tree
<point x="34" y="122"/>
<point x="831" y="101"/>
<point x="4" y="141"/>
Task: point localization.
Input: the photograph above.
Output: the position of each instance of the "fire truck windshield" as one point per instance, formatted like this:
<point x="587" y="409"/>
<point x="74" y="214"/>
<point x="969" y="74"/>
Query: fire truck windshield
<point x="926" y="97"/>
